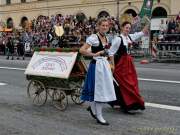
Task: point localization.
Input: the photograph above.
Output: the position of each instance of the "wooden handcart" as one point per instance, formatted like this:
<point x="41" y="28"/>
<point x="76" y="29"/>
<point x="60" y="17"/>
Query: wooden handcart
<point x="42" y="86"/>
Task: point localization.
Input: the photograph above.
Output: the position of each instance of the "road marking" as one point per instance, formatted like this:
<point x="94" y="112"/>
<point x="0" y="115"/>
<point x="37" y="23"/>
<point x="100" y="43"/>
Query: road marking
<point x="140" y="79"/>
<point x="176" y="108"/>
<point x="3" y="84"/>
<point x="168" y="107"/>
<point x="156" y="80"/>
<point x="12" y="68"/>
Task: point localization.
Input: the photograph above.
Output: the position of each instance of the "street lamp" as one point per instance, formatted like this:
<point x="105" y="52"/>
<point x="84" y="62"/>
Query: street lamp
<point x="117" y="3"/>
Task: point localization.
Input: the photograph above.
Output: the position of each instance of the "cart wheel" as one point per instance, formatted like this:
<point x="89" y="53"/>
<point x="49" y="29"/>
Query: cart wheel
<point x="60" y="100"/>
<point x="76" y="95"/>
<point x="50" y="92"/>
<point x="37" y="92"/>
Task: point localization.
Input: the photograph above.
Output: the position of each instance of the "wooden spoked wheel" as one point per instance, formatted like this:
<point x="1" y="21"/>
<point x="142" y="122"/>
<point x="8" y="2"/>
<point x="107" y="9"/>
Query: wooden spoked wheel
<point x="76" y="94"/>
<point x="60" y="100"/>
<point x="37" y="92"/>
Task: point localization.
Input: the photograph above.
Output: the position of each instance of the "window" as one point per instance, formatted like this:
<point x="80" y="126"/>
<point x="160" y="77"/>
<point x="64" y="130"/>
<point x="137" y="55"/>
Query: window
<point x="103" y="14"/>
<point x="131" y="12"/>
<point x="23" y="1"/>
<point x="9" y="23"/>
<point x="159" y="12"/>
<point x="8" y="2"/>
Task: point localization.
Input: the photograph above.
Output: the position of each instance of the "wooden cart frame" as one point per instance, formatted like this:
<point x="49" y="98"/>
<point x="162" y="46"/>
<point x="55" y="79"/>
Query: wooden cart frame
<point x="40" y="88"/>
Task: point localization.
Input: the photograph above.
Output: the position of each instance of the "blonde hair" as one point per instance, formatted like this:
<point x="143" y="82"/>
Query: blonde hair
<point x="102" y="19"/>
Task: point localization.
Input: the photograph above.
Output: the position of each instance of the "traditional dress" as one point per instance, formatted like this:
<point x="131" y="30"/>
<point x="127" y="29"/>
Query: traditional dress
<point x="98" y="85"/>
<point x="127" y="90"/>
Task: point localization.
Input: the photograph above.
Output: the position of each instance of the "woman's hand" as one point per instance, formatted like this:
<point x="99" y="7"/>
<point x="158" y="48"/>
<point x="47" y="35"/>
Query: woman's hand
<point x="112" y="67"/>
<point x="111" y="62"/>
<point x="100" y="53"/>
<point x="84" y="50"/>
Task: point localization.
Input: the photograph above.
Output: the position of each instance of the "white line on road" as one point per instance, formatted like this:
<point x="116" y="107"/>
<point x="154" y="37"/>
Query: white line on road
<point x="168" y="107"/>
<point x="141" y="79"/>
<point x="176" y="108"/>
<point x="156" y="80"/>
<point x="3" y="84"/>
<point x="12" y="68"/>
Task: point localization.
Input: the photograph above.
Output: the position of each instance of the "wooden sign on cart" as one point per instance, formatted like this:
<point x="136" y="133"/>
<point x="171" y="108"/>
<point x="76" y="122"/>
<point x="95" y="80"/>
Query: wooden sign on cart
<point x="51" y="64"/>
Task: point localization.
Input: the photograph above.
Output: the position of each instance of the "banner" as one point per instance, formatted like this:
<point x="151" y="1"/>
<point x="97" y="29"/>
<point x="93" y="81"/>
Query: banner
<point x="155" y="23"/>
<point x="27" y="47"/>
<point x="145" y="42"/>
<point x="146" y="8"/>
<point x="51" y="64"/>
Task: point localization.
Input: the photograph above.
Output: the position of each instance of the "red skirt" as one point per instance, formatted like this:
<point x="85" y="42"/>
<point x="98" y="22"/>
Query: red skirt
<point x="126" y="76"/>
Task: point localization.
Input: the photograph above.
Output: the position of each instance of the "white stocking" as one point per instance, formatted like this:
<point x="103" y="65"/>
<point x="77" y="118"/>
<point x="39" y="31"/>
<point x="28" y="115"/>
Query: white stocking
<point x="93" y="107"/>
<point x="99" y="112"/>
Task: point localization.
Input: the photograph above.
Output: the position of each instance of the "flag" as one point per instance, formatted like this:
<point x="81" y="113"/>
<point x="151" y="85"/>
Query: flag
<point x="146" y="8"/>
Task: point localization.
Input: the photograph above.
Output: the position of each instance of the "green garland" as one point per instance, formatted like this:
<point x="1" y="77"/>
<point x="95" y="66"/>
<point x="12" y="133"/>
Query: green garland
<point x="37" y="49"/>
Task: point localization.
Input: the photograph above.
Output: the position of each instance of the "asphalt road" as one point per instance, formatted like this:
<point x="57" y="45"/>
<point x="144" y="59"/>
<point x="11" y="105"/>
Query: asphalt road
<point x="19" y="117"/>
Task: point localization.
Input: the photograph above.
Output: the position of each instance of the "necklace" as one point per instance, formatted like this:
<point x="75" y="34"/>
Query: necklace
<point x="101" y="34"/>
<point x="103" y="39"/>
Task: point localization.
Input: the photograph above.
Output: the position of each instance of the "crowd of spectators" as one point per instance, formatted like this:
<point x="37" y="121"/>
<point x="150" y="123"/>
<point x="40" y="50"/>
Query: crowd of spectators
<point x="170" y="30"/>
<point x="40" y="31"/>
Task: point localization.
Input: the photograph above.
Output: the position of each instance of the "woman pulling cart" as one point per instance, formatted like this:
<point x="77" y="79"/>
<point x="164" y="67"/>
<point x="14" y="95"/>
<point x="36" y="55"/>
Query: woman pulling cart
<point x="98" y="88"/>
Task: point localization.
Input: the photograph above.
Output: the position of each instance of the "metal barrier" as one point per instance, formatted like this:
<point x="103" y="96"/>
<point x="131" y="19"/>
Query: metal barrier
<point x="137" y="50"/>
<point x="168" y="47"/>
<point x="168" y="50"/>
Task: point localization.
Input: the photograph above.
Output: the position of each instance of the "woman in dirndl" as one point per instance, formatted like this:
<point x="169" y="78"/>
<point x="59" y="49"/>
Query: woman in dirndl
<point x="98" y="88"/>
<point x="126" y="85"/>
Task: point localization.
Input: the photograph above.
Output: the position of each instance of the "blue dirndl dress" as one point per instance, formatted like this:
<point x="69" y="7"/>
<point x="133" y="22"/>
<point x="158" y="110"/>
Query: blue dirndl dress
<point x="95" y="87"/>
<point x="89" y="85"/>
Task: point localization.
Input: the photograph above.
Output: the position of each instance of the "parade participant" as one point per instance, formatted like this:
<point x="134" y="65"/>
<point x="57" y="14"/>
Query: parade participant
<point x="126" y="86"/>
<point x="98" y="87"/>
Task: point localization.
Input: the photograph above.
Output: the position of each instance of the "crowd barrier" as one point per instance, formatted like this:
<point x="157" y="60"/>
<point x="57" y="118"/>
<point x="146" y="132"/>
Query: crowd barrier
<point x="169" y="50"/>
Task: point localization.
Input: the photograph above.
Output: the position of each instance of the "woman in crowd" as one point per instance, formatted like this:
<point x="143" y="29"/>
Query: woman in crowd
<point x="126" y="84"/>
<point x="98" y="88"/>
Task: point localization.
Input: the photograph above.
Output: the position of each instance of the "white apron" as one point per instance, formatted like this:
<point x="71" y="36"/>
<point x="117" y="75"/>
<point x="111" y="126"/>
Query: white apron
<point x="104" y="88"/>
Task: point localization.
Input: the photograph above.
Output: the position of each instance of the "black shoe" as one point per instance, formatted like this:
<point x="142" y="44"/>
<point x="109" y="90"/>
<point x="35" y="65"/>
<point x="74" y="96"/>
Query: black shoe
<point x="102" y="123"/>
<point x="111" y="105"/>
<point x="128" y="112"/>
<point x="89" y="109"/>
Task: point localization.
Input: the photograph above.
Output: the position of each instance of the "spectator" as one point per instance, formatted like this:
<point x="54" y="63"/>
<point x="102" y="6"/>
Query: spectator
<point x="162" y="27"/>
<point x="178" y="17"/>
<point x="10" y="48"/>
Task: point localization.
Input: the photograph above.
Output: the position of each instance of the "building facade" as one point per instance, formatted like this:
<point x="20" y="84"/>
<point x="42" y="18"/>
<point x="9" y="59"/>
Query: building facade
<point x="15" y="11"/>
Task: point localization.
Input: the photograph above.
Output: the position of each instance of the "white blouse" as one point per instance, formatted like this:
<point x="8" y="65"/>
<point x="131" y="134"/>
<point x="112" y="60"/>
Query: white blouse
<point x="93" y="40"/>
<point x="117" y="41"/>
